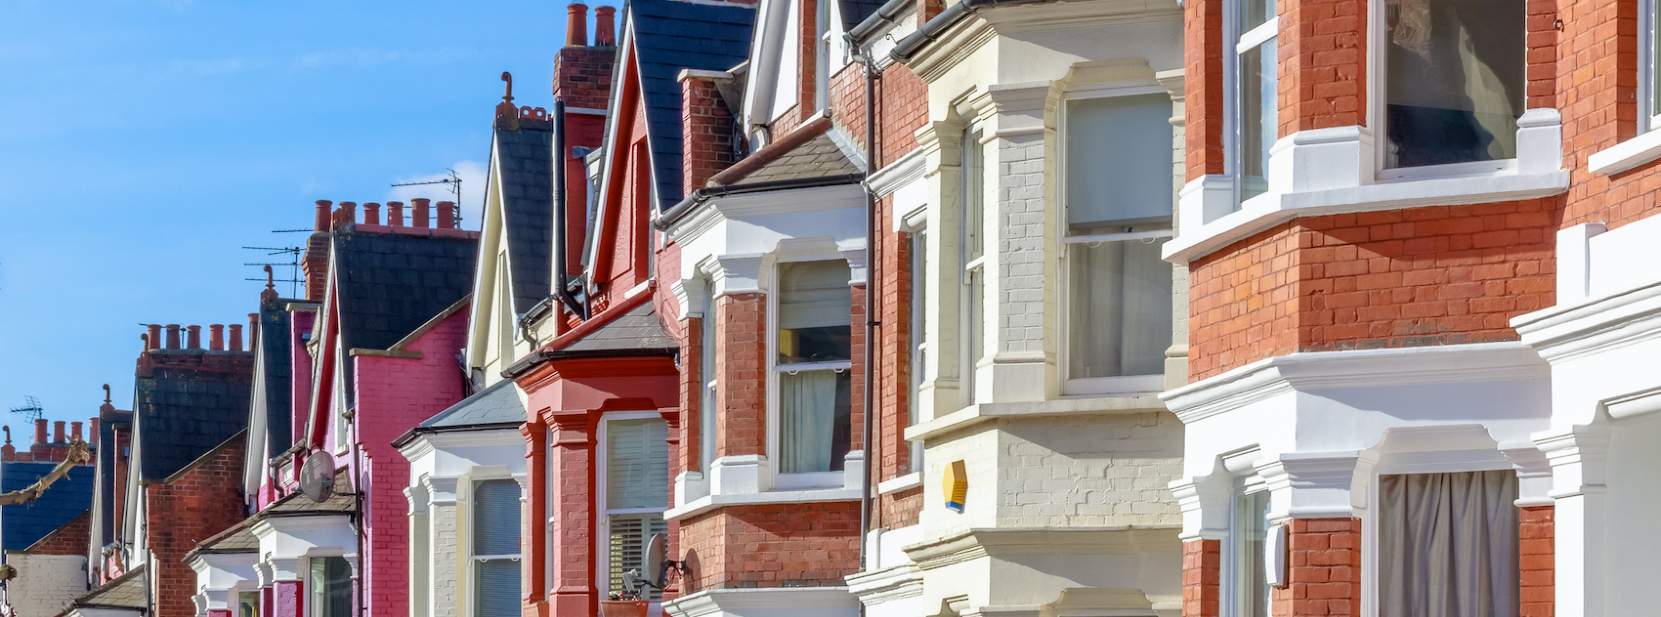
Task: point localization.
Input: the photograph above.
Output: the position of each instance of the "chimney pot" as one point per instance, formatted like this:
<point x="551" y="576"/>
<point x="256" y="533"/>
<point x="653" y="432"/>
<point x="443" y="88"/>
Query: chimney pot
<point x="194" y="337"/>
<point x="216" y="337"/>
<point x="75" y="431"/>
<point x="92" y="432"/>
<point x="371" y="213"/>
<point x="253" y="330"/>
<point x="322" y="223"/>
<point x="172" y="336"/>
<point x="605" y="26"/>
<point x="419" y="211"/>
<point x="153" y="337"/>
<point x="576" y="25"/>
<point x="236" y="337"/>
<point x="348" y="212"/>
<point x="395" y="213"/>
<point x="40" y="431"/>
<point x="57" y="432"/>
<point x="446" y="215"/>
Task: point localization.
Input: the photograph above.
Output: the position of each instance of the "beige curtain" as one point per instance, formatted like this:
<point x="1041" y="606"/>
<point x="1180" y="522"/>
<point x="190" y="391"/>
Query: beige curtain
<point x="1448" y="545"/>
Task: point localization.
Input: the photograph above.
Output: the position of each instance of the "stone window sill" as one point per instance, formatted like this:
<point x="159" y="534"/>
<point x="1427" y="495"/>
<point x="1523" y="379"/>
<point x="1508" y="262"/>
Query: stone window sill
<point x="1626" y="155"/>
<point x="895" y="485"/>
<point x="711" y="502"/>
<point x="1069" y="406"/>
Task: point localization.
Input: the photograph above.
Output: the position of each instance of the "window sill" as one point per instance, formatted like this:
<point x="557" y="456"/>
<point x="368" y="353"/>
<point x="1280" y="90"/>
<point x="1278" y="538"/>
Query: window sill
<point x="972" y="415"/>
<point x="711" y="502"/>
<point x="905" y="482"/>
<point x="1626" y="155"/>
<point x="1270" y="209"/>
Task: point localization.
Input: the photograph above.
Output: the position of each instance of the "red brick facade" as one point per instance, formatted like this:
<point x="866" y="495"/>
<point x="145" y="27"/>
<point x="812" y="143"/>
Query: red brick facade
<point x="210" y="491"/>
<point x="706" y="130"/>
<point x="69" y="539"/>
<point x="1202" y="575"/>
<point x="1536" y="559"/>
<point x="1323" y="74"/>
<point x="1324" y="569"/>
<point x="582" y="76"/>
<point x="786" y="545"/>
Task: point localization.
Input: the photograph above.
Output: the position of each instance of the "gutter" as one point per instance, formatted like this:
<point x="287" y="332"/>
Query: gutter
<point x="525" y="364"/>
<point x="936" y="26"/>
<point x="410" y="435"/>
<point x="886" y="15"/>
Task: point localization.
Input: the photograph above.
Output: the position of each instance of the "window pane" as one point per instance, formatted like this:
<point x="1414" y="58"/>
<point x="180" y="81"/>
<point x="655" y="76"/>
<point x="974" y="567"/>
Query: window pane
<point x="1455" y="85"/>
<point x="330" y="584"/>
<point x="1249" y="529"/>
<point x="637" y="463"/>
<point x="248" y="604"/>
<point x="1254" y="12"/>
<point x="1448" y="544"/>
<point x="1118" y="160"/>
<point x="972" y="194"/>
<point x="813" y="420"/>
<point x="815" y="308"/>
<point x="975" y="335"/>
<point x="496" y="584"/>
<point x="919" y="336"/>
<point x="707" y="412"/>
<point x="1258" y="117"/>
<point x="626" y="547"/>
<point x="1119" y="309"/>
<point x="496" y="518"/>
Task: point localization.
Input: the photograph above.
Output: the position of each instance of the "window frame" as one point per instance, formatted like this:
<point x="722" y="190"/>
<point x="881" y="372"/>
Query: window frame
<point x="809" y="480"/>
<point x="1237" y="43"/>
<point x="1122" y="384"/>
<point x="1377" y="92"/>
<point x="1231" y="557"/>
<point x="1425" y="462"/>
<point x="310" y="590"/>
<point x="918" y="238"/>
<point x="1649" y="109"/>
<point x="709" y="396"/>
<point x="473" y="558"/>
<point x="603" y="514"/>
<point x="823" y="45"/>
<point x="971" y="264"/>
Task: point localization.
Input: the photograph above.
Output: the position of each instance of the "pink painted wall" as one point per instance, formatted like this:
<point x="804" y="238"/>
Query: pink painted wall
<point x="393" y="396"/>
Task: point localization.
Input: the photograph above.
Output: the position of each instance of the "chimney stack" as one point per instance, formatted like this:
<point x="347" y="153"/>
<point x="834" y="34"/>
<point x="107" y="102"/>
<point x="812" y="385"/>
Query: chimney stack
<point x="395" y="213"/>
<point x="194" y="337"/>
<point x="8" y="451"/>
<point x="75" y="431"/>
<point x="576" y="25"/>
<point x="152" y="339"/>
<point x="57" y="432"/>
<point x="323" y="213"/>
<point x="40" y="431"/>
<point x="605" y="26"/>
<point x="371" y="213"/>
<point x="420" y="207"/>
<point x="216" y="337"/>
<point x="92" y="432"/>
<point x="253" y="330"/>
<point x="446" y="215"/>
<point x="315" y="265"/>
<point x="172" y="336"/>
<point x="236" y="337"/>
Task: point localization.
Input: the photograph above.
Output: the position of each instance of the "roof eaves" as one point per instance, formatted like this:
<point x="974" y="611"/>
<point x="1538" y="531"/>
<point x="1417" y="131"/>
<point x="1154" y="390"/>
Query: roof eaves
<point x="932" y="29"/>
<point x="876" y="22"/>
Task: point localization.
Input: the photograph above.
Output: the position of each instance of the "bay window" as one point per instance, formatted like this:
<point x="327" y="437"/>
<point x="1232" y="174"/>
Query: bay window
<point x="707" y="405"/>
<point x="972" y="255"/>
<point x="248" y="604"/>
<point x="1447" y="544"/>
<point x="1454" y="81"/>
<point x="636" y="492"/>
<point x="1118" y="204"/>
<point x="1245" y="569"/>
<point x="329" y="587"/>
<point x="812" y="357"/>
<point x="1255" y="77"/>
<point x="495" y="547"/>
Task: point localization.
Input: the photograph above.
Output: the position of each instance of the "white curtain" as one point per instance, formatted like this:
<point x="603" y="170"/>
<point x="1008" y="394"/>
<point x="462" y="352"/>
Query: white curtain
<point x="1448" y="545"/>
<point x="1120" y="309"/>
<point x="807" y="421"/>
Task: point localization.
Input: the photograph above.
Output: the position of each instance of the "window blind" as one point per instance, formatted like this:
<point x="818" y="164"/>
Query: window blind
<point x="1119" y="153"/>
<point x="629" y="534"/>
<point x="496" y="588"/>
<point x="496" y="517"/>
<point x="637" y="464"/>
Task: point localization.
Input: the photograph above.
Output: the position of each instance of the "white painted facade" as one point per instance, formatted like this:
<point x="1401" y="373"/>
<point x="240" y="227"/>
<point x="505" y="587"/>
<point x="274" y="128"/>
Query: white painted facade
<point x="45" y="584"/>
<point x="221" y="578"/>
<point x="443" y="469"/>
<point x="1067" y="510"/>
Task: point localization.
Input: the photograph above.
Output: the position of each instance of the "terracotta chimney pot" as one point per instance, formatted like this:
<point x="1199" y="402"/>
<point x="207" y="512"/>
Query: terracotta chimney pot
<point x="40" y="431"/>
<point x="576" y="25"/>
<point x="395" y="213"/>
<point x="194" y="337"/>
<point x="153" y="340"/>
<point x="371" y="213"/>
<point x="236" y="337"/>
<point x="419" y="211"/>
<point x="323" y="211"/>
<point x="605" y="26"/>
<point x="216" y="337"/>
<point x="172" y="336"/>
<point x="446" y="215"/>
<point x="75" y="431"/>
<point x="57" y="432"/>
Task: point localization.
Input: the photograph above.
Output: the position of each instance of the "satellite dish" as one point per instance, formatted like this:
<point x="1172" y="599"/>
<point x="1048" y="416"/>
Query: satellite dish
<point x="317" y="476"/>
<point x="654" y="560"/>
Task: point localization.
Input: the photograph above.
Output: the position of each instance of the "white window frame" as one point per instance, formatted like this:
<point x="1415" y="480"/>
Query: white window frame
<point x="1238" y="43"/>
<point x="918" y="237"/>
<point x="1377" y="91"/>
<point x="709" y="403"/>
<point x="970" y="186"/>
<point x="471" y="599"/>
<point x="603" y="514"/>
<point x="795" y="481"/>
<point x="309" y="590"/>
<point x="822" y="53"/>
<point x="1649" y="112"/>
<point x="1242" y="486"/>
<point x="1098" y="385"/>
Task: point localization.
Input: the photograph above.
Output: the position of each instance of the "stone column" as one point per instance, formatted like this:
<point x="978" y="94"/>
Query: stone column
<point x="571" y="545"/>
<point x="421" y="563"/>
<point x="1580" y="492"/>
<point x="448" y="572"/>
<point x="534" y="527"/>
<point x="1020" y="231"/>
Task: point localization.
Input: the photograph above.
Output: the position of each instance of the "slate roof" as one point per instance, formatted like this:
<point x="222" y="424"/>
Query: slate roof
<point x="670" y="35"/>
<point x="298" y="504"/>
<point x="636" y="330"/>
<point x="184" y="413"/>
<point x="25" y="524"/>
<point x="239" y="538"/>
<point x="127" y="591"/>
<point x="820" y="157"/>
<point x="278" y="369"/>
<point x="526" y="169"/>
<point x="497" y="404"/>
<point x="390" y="284"/>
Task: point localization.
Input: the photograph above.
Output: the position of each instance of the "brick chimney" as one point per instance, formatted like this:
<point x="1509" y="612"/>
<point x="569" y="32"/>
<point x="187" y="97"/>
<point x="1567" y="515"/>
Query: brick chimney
<point x="216" y="337"/>
<point x="576" y="25"/>
<point x="605" y="26"/>
<point x="8" y="452"/>
<point x="582" y="75"/>
<point x="707" y="132"/>
<point x="315" y="265"/>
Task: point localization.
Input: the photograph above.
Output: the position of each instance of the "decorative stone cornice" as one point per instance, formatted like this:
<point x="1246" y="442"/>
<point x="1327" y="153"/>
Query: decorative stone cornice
<point x="981" y="542"/>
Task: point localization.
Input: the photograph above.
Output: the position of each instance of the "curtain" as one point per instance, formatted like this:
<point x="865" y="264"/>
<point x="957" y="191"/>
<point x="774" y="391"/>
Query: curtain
<point x="1448" y="545"/>
<point x="813" y="421"/>
<point x="1120" y="309"/>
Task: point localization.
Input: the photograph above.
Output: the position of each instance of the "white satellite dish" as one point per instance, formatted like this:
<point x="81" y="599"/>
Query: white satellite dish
<point x="317" y="476"/>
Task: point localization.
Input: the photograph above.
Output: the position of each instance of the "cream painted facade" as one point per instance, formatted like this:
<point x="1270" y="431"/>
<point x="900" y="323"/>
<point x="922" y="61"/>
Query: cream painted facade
<point x="444" y="468"/>
<point x="1067" y="510"/>
<point x="45" y="584"/>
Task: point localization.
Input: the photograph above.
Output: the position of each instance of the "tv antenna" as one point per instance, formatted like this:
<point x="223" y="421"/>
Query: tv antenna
<point x="454" y="182"/>
<point x="30" y="409"/>
<point x="293" y="264"/>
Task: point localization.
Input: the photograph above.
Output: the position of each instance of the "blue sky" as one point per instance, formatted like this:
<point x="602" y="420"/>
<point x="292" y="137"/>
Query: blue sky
<point x="143" y="142"/>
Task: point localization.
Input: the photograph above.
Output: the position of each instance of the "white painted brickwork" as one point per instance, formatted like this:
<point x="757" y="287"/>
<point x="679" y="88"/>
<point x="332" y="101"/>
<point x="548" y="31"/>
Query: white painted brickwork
<point x="1100" y="471"/>
<point x="445" y="561"/>
<point x="45" y="584"/>
<point x="1019" y="221"/>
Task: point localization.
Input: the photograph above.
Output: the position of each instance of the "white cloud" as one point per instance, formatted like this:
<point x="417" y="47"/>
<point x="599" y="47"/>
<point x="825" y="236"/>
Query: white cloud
<point x="472" y="174"/>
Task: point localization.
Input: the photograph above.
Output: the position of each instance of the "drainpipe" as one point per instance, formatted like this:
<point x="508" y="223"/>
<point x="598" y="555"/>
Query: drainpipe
<point x="873" y="290"/>
<point x="560" y="289"/>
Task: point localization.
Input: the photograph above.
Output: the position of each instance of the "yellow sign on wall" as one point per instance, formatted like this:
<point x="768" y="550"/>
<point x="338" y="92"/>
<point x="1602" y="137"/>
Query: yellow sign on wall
<point x="955" y="485"/>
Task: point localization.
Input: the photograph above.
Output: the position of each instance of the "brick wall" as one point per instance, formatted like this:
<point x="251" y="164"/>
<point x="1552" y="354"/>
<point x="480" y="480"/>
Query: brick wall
<point x="1424" y="276"/>
<point x="1597" y="94"/>
<point x="1202" y="575"/>
<point x="442" y="540"/>
<point x="902" y="108"/>
<point x="740" y="368"/>
<point x="1202" y="57"/>
<point x="785" y="545"/>
<point x="210" y="490"/>
<point x="394" y="395"/>
<point x="1324" y="569"/>
<point x="582" y="76"/>
<point x="706" y="132"/>
<point x="1323" y="76"/>
<point x="70" y="539"/>
<point x="1536" y="558"/>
